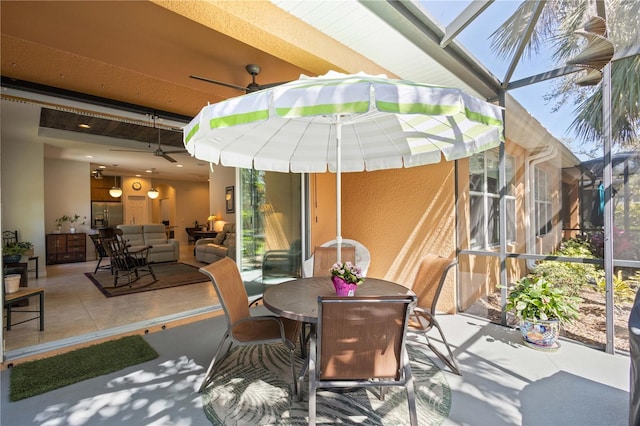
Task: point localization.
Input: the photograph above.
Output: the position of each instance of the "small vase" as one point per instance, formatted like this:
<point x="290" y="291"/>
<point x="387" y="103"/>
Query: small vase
<point x="72" y="230"/>
<point x="343" y="288"/>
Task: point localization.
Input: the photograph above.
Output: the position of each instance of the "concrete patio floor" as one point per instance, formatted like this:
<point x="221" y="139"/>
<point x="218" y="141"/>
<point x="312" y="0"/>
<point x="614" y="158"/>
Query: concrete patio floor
<point x="503" y="383"/>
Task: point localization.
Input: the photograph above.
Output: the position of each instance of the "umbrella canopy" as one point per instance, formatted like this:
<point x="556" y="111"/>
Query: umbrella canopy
<point x="343" y="123"/>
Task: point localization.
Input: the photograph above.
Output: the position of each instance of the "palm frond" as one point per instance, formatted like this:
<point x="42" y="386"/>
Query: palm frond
<point x="505" y="39"/>
<point x="625" y="116"/>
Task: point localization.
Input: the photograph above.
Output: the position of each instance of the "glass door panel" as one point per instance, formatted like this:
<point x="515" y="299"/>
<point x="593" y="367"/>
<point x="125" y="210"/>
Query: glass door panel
<point x="271" y="225"/>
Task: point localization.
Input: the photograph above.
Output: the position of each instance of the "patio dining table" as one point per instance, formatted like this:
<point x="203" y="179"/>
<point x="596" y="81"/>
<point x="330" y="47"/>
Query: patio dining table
<point x="298" y="300"/>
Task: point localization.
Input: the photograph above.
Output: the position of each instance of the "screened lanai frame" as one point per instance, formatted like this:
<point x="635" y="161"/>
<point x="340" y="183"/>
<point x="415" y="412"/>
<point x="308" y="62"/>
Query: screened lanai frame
<point x="423" y="27"/>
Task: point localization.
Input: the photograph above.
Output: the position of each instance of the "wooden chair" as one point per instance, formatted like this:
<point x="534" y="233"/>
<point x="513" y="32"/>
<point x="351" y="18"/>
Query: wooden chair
<point x="427" y="286"/>
<point x="242" y="328"/>
<point x="9" y="237"/>
<point x="132" y="264"/>
<point x="11" y="300"/>
<point x="360" y="343"/>
<point x="101" y="251"/>
<point x="325" y="257"/>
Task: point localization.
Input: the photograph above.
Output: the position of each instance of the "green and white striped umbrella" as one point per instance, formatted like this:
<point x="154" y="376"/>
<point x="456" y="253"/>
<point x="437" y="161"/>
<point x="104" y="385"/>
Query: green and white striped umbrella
<point x="343" y="123"/>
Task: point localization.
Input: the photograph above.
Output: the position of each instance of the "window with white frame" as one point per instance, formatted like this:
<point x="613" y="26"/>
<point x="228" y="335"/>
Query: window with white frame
<point x="484" y="199"/>
<point x="543" y="204"/>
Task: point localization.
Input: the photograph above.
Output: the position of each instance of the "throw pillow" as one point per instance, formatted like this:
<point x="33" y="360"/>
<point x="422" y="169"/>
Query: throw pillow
<point x="218" y="239"/>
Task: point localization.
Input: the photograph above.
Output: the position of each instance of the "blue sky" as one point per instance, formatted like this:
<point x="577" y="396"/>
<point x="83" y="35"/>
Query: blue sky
<point x="475" y="38"/>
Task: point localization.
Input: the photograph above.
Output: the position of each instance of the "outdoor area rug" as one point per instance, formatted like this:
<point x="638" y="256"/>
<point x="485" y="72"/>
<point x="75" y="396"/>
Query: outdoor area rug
<point x="170" y="274"/>
<point x="252" y="387"/>
<point x="43" y="375"/>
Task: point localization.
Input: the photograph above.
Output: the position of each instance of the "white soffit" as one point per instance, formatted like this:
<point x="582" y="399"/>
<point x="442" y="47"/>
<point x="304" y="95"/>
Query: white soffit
<point x="355" y="26"/>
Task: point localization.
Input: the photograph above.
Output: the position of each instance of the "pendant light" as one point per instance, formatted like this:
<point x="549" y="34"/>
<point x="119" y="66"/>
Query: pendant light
<point x="153" y="192"/>
<point x="115" y="191"/>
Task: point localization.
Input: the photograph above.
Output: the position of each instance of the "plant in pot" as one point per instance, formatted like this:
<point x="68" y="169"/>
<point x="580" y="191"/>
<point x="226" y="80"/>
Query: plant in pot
<point x="71" y="220"/>
<point x="541" y="306"/>
<point x="12" y="252"/>
<point x="346" y="278"/>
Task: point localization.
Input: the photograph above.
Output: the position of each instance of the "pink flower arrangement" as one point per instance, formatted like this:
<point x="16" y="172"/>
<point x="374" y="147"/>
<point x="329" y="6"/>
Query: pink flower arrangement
<point x="348" y="272"/>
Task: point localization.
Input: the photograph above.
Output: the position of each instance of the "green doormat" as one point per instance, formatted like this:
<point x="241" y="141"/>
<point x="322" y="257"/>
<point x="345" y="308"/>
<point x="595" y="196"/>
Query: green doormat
<point x="43" y="375"/>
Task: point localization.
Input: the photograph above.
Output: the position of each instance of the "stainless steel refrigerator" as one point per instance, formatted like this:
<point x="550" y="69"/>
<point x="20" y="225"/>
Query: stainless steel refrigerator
<point x="106" y="214"/>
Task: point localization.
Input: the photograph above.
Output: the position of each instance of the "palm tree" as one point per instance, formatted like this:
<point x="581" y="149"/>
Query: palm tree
<point x="556" y="24"/>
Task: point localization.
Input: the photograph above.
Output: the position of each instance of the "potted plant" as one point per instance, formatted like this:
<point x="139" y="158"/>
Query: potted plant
<point x="12" y="252"/>
<point x="346" y="278"/>
<point x="72" y="220"/>
<point x="541" y="306"/>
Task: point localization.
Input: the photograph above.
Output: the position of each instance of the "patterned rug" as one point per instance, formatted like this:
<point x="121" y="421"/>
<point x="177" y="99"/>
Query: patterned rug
<point x="169" y="274"/>
<point x="252" y="388"/>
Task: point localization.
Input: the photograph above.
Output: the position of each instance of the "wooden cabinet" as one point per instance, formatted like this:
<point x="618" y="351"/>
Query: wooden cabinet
<point x="66" y="248"/>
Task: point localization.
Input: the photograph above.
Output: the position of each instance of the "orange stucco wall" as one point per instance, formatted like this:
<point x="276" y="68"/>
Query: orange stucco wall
<point x="399" y="215"/>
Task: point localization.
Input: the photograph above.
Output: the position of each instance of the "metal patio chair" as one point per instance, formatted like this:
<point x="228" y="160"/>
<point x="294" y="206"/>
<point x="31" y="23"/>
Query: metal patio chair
<point x="360" y="342"/>
<point x="427" y="286"/>
<point x="242" y="328"/>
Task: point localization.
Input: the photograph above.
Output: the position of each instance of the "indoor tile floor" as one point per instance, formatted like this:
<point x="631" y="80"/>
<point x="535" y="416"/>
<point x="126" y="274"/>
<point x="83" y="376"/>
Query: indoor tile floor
<point x="74" y="307"/>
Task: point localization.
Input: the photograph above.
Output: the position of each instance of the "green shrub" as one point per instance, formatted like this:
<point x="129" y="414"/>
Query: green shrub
<point x="622" y="291"/>
<point x="570" y="275"/>
<point x="539" y="298"/>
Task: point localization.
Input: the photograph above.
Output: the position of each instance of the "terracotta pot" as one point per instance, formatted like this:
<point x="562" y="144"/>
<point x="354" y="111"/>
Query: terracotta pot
<point x="343" y="288"/>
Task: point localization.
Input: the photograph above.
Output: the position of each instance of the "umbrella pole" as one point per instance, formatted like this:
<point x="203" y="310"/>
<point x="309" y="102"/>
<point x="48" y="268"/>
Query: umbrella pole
<point x="338" y="189"/>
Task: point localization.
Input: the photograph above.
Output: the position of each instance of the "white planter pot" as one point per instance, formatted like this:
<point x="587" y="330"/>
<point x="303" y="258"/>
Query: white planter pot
<point x="12" y="283"/>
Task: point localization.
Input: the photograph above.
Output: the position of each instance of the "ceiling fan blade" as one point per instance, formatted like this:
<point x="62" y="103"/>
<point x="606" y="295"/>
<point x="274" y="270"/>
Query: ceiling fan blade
<point x="221" y="83"/>
<point x="166" y="157"/>
<point x="128" y="150"/>
<point x="182" y="151"/>
<point x="268" y="85"/>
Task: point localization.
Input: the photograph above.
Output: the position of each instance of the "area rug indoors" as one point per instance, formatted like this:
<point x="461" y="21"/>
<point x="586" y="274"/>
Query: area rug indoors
<point x="252" y="387"/>
<point x="170" y="274"/>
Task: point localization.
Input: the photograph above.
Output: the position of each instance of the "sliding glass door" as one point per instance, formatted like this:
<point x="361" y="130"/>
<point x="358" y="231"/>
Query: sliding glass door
<point x="271" y="224"/>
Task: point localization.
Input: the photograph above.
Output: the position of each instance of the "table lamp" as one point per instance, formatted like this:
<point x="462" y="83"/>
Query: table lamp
<point x="211" y="219"/>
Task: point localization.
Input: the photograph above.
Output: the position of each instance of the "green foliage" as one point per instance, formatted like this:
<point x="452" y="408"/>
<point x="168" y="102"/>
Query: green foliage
<point x="570" y="275"/>
<point x="348" y="272"/>
<point x="72" y="220"/>
<point x="622" y="291"/>
<point x="20" y="248"/>
<point x="538" y="298"/>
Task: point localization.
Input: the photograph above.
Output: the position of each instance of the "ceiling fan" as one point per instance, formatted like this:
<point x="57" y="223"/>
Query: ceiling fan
<point x="252" y="69"/>
<point x="158" y="152"/>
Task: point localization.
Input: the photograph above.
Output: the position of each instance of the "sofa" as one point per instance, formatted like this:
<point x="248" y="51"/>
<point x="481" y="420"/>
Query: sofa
<point x="209" y="250"/>
<point x="163" y="249"/>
